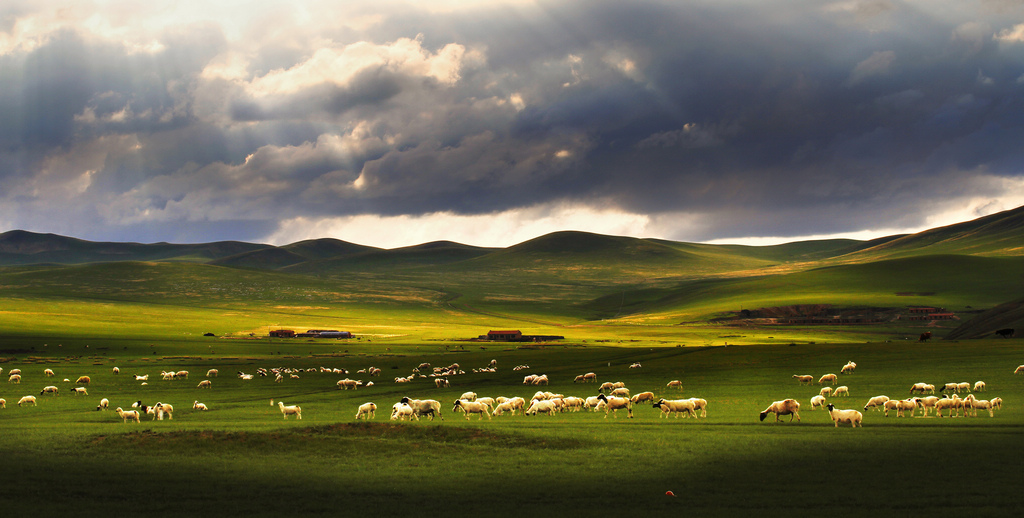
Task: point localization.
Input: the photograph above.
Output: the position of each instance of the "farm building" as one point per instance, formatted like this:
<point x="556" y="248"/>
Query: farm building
<point x="282" y="333"/>
<point x="505" y="336"/>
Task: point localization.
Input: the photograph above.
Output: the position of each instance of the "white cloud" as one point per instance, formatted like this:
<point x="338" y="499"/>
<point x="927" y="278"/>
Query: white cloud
<point x="1012" y="35"/>
<point x="879" y="63"/>
<point x="491" y="230"/>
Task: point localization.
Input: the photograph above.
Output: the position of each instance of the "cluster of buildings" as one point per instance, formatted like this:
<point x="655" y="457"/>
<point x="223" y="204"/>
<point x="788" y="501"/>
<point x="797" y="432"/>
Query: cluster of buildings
<point x="312" y="333"/>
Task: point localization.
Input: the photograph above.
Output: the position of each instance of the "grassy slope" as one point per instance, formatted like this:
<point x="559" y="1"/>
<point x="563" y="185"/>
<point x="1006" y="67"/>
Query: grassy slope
<point x="568" y="464"/>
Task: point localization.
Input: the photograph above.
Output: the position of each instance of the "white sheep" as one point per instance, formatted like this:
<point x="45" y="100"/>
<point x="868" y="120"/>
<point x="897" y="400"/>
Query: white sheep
<point x="423" y="407"/>
<point x="700" y="404"/>
<point x="922" y="388"/>
<point x="80" y="391"/>
<point x="620" y="392"/>
<point x="954" y="404"/>
<point x="997" y="403"/>
<point x="963" y="386"/>
<point x="540" y="380"/>
<point x="817" y="402"/>
<point x="848" y="368"/>
<point x="196" y="405"/>
<point x="3" y="403"/>
<point x="468" y="396"/>
<point x="130" y="414"/>
<point x="26" y="400"/>
<point x="542" y="406"/>
<point x="505" y="407"/>
<point x="804" y="378"/>
<point x="790" y="407"/>
<point x="441" y="383"/>
<point x="366" y="411"/>
<point x="952" y="388"/>
<point x="876" y="402"/>
<point x="825" y="391"/>
<point x="212" y="373"/>
<point x="290" y="410"/>
<point x="676" y="384"/>
<point x="905" y="404"/>
<point x="50" y="389"/>
<point x="676" y="406"/>
<point x="162" y="409"/>
<point x="642" y="397"/>
<point x="926" y="404"/>
<point x="205" y="384"/>
<point x="974" y="404"/>
<point x="142" y="377"/>
<point x="83" y="380"/>
<point x="1019" y="369"/>
<point x="402" y="411"/>
<point x="853" y="417"/>
<point x="892" y="404"/>
<point x="14" y="378"/>
<point x="49" y="373"/>
<point x="472" y="407"/>
<point x="346" y="384"/>
<point x="615" y="404"/>
<point x="841" y="390"/>
<point x="115" y="371"/>
<point x="828" y="377"/>
<point x="979" y="386"/>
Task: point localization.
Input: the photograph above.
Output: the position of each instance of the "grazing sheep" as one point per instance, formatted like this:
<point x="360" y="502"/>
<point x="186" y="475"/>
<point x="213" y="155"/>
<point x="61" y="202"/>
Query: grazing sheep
<point x="635" y="366"/>
<point x="804" y="378"/>
<point x="543" y="406"/>
<point x="922" y="388"/>
<point x="952" y="388"/>
<point x="848" y="368"/>
<point x="615" y="404"/>
<point x="163" y="408"/>
<point x="852" y="417"/>
<point x="196" y="405"/>
<point x="51" y="389"/>
<point x="700" y="404"/>
<point x="641" y="397"/>
<point x="953" y="404"/>
<point x="143" y="377"/>
<point x="676" y="384"/>
<point x="349" y="384"/>
<point x="905" y="404"/>
<point x="212" y="373"/>
<point x="828" y="377"/>
<point x="3" y="403"/>
<point x="402" y="412"/>
<point x="83" y="380"/>
<point x="26" y="400"/>
<point x="290" y="410"/>
<point x="974" y="404"/>
<point x="181" y="374"/>
<point x="204" y="384"/>
<point x="841" y="390"/>
<point x="817" y="402"/>
<point x="14" y="378"/>
<point x="115" y="371"/>
<point x="825" y="391"/>
<point x="130" y="414"/>
<point x="80" y="391"/>
<point x="468" y="396"/>
<point x="540" y="380"/>
<point x="790" y="407"/>
<point x="472" y="407"/>
<point x="963" y="386"/>
<point x="676" y="406"/>
<point x="49" y="373"/>
<point x="620" y="392"/>
<point x="366" y="411"/>
<point x="441" y="383"/>
<point x="926" y="404"/>
<point x="505" y="407"/>
<point x="876" y="402"/>
<point x="424" y="407"/>
<point x="574" y="403"/>
<point x="979" y="386"/>
<point x="892" y="404"/>
<point x="1019" y="369"/>
<point x="606" y="386"/>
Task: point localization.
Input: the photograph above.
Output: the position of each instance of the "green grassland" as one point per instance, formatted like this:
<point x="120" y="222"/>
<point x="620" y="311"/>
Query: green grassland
<point x="241" y="457"/>
<point x="82" y="308"/>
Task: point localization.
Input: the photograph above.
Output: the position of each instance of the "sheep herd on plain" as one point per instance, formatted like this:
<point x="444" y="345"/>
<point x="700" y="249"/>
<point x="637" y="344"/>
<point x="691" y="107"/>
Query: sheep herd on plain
<point x="924" y="400"/>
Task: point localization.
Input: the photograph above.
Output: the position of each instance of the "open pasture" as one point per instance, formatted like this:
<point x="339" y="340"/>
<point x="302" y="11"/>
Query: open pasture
<point x="242" y="457"/>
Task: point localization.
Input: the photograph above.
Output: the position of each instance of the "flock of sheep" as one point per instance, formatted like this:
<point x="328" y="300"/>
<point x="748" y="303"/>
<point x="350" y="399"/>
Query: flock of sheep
<point x="950" y="401"/>
<point x="611" y="397"/>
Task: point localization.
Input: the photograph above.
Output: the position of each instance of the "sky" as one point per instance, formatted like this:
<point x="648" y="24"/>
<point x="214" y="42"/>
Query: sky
<point x="390" y="123"/>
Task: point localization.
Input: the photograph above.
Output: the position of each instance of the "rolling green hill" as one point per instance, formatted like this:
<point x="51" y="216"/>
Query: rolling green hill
<point x="562" y="279"/>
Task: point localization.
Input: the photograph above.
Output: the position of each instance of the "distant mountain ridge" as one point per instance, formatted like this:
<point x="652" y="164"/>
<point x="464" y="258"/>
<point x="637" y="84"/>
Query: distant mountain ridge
<point x="1000" y="234"/>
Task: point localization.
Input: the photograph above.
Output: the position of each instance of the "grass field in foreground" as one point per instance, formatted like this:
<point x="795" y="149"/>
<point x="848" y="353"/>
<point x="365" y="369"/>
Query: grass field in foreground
<point x="241" y="458"/>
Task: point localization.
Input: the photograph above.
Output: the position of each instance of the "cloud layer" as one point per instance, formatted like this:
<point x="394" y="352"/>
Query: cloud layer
<point x="187" y="121"/>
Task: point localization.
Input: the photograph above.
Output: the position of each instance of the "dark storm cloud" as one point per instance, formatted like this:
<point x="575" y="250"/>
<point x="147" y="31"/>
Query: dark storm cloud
<point x="754" y="115"/>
